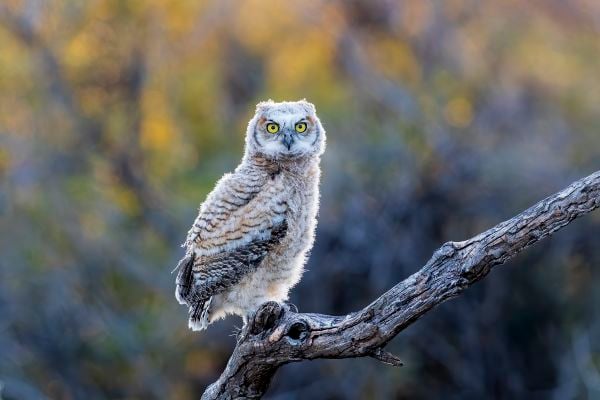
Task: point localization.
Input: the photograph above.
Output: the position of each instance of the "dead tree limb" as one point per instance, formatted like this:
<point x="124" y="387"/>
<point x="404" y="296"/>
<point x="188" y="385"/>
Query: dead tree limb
<point x="277" y="335"/>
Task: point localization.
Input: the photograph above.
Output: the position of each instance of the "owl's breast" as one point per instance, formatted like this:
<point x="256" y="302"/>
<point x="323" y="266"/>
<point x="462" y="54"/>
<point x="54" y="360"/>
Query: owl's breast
<point x="283" y="266"/>
<point x="302" y="202"/>
<point x="303" y="205"/>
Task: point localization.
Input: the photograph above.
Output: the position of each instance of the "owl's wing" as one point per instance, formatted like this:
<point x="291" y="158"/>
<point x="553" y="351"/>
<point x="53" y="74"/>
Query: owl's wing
<point x="234" y="231"/>
<point x="201" y="277"/>
<point x="234" y="213"/>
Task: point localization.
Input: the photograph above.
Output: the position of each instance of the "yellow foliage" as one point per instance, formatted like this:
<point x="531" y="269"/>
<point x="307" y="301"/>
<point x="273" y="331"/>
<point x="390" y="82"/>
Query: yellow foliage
<point x="93" y="100"/>
<point x="157" y="129"/>
<point x="124" y="198"/>
<point x="4" y="161"/>
<point x="300" y="60"/>
<point x="546" y="63"/>
<point x="260" y="24"/>
<point x="459" y="112"/>
<point x="304" y="66"/>
<point x="112" y="190"/>
<point x="80" y="50"/>
<point x="393" y="58"/>
<point x="156" y="133"/>
<point x="181" y="16"/>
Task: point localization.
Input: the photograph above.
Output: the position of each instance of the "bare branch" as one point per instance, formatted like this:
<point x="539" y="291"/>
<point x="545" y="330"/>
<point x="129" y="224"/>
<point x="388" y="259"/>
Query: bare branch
<point x="277" y="335"/>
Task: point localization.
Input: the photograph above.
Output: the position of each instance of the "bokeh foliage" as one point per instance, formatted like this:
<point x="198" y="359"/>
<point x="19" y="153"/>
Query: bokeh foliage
<point x="443" y="118"/>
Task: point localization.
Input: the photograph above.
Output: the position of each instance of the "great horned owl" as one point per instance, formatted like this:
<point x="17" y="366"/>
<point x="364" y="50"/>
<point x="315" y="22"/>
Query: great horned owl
<point x="250" y="240"/>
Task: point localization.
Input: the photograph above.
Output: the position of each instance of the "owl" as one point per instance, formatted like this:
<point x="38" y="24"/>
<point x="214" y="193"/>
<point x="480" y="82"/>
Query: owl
<point x="253" y="232"/>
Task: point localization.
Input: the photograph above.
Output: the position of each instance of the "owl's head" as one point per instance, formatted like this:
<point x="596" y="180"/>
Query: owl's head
<point x="285" y="130"/>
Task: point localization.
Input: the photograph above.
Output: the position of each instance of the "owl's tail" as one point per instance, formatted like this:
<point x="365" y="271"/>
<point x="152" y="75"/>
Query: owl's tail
<point x="199" y="315"/>
<point x="199" y="308"/>
<point x="184" y="279"/>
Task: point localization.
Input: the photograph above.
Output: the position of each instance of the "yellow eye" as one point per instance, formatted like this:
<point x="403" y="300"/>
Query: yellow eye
<point x="301" y="127"/>
<point x="272" y="127"/>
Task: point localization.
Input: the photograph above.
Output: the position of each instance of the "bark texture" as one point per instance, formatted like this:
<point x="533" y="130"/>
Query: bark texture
<point x="276" y="334"/>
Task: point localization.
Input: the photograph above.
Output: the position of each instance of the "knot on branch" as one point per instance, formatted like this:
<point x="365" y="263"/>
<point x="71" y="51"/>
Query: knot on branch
<point x="478" y="265"/>
<point x="297" y="333"/>
<point x="447" y="250"/>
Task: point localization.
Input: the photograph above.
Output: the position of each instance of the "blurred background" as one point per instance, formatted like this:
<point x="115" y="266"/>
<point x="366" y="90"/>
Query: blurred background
<point x="443" y="118"/>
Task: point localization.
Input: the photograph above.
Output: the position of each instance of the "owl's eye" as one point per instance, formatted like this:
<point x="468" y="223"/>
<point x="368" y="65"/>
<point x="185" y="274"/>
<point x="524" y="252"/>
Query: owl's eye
<point x="272" y="127"/>
<point x="301" y="127"/>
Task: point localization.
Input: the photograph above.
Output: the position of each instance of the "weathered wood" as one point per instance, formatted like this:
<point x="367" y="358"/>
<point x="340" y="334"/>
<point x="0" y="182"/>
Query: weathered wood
<point x="277" y="335"/>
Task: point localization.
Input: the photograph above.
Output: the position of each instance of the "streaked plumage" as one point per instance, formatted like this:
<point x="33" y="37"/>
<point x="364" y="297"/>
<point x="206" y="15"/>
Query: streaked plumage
<point x="249" y="242"/>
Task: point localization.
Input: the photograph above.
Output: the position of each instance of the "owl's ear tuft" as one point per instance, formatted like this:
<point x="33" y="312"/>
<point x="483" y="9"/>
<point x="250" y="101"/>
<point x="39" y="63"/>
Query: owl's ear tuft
<point x="309" y="107"/>
<point x="264" y="106"/>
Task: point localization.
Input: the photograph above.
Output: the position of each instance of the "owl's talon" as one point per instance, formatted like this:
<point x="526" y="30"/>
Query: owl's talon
<point x="266" y="316"/>
<point x="237" y="332"/>
<point x="291" y="306"/>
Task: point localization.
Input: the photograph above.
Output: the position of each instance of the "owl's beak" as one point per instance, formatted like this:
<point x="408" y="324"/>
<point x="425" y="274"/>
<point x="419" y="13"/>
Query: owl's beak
<point x="287" y="140"/>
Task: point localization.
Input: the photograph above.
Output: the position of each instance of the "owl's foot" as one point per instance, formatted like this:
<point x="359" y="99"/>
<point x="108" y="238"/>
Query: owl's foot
<point x="265" y="317"/>
<point x="237" y="332"/>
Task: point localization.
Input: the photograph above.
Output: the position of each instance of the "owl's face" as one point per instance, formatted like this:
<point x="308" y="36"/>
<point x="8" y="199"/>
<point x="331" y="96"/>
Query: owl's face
<point x="285" y="130"/>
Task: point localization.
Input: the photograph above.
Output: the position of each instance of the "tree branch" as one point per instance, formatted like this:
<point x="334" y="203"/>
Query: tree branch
<point x="276" y="335"/>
